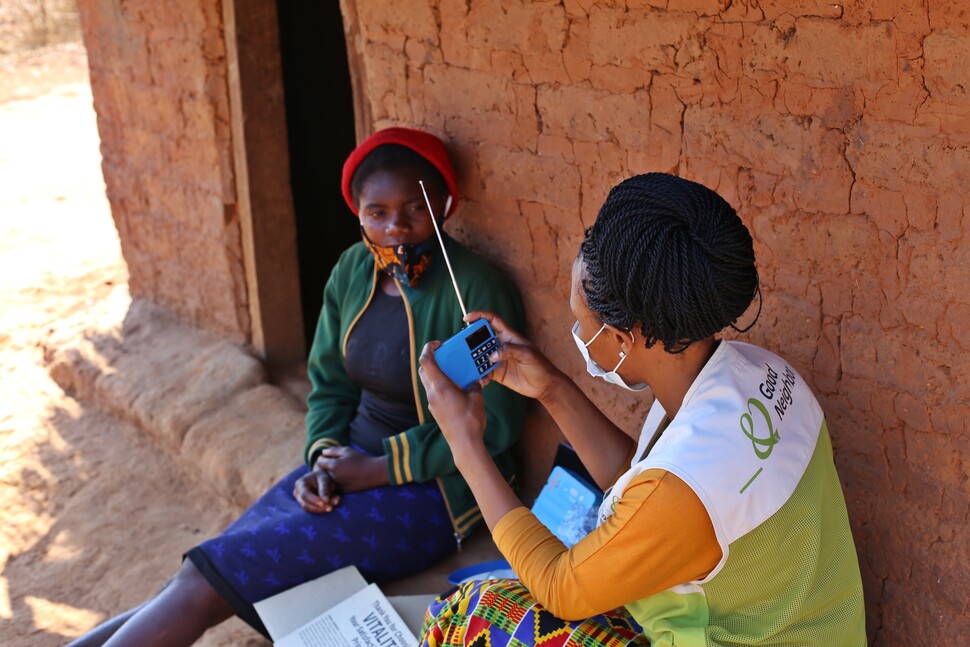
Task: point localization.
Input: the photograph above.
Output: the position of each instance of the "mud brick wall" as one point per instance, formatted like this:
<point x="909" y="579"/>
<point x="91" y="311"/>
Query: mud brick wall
<point x="158" y="76"/>
<point x="839" y="132"/>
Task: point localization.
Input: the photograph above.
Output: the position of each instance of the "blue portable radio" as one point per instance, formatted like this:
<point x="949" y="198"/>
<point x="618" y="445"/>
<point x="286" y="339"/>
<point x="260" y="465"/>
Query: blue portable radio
<point x="464" y="356"/>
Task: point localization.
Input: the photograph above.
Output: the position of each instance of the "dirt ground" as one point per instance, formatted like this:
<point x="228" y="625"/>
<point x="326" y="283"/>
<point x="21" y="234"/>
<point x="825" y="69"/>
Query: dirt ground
<point x="95" y="517"/>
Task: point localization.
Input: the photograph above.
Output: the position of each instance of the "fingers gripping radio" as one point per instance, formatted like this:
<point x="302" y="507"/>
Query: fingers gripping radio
<point x="464" y="356"/>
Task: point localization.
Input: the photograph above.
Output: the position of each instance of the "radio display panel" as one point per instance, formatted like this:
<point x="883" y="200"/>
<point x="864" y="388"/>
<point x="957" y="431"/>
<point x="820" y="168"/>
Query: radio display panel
<point x="478" y="338"/>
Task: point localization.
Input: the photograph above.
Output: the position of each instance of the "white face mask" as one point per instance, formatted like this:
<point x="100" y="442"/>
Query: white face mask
<point x="595" y="369"/>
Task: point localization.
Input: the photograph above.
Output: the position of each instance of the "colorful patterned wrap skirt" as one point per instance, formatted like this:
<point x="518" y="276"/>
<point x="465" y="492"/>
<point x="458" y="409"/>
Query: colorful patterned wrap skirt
<point x="502" y="613"/>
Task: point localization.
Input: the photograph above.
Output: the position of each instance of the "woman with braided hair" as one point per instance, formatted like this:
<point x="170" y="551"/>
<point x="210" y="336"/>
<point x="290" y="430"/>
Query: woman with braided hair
<point x="723" y="523"/>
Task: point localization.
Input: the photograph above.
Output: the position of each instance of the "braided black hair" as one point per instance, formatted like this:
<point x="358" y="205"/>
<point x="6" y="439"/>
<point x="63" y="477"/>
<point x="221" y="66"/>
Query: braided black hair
<point x="672" y="255"/>
<point x="394" y="157"/>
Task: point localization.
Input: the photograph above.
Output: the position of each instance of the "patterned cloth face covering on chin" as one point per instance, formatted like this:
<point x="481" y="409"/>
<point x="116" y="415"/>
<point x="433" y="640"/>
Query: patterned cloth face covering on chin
<point x="405" y="262"/>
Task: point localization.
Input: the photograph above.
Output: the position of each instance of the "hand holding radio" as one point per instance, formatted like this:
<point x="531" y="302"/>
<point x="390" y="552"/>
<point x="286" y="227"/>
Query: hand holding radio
<point x="460" y="413"/>
<point x="519" y="364"/>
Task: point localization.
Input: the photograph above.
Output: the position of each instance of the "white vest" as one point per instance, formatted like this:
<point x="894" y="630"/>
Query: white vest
<point x="742" y="439"/>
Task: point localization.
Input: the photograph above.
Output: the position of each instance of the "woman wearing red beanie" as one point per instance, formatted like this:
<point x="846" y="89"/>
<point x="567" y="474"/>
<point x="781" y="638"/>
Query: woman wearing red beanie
<point x="379" y="488"/>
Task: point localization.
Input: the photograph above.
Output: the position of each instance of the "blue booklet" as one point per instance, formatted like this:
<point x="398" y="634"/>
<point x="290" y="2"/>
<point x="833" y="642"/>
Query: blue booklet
<point x="567" y="505"/>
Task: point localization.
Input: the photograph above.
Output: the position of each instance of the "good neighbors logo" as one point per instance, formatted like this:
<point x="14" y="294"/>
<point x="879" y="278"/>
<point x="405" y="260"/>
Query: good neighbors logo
<point x="757" y="425"/>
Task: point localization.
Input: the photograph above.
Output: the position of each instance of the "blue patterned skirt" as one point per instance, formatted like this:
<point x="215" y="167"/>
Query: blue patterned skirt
<point x="387" y="533"/>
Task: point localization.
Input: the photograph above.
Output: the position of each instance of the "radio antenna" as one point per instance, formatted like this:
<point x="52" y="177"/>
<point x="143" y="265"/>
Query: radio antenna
<point x="441" y="241"/>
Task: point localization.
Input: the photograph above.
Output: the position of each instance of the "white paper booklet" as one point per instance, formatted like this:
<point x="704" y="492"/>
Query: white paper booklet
<point x="365" y="619"/>
<point x="293" y="608"/>
<point x="340" y="608"/>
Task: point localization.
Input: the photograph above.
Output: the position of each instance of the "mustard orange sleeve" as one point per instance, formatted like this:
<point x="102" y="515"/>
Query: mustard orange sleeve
<point x="659" y="535"/>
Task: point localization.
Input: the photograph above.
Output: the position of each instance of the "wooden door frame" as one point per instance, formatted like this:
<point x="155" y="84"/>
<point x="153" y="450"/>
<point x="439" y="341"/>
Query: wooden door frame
<point x="262" y="180"/>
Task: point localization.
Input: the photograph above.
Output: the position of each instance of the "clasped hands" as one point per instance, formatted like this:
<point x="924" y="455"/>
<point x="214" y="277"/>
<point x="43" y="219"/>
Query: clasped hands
<point x="336" y="470"/>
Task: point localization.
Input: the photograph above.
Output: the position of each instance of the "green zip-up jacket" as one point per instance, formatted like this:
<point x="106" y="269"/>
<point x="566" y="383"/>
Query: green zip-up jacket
<point x="420" y="453"/>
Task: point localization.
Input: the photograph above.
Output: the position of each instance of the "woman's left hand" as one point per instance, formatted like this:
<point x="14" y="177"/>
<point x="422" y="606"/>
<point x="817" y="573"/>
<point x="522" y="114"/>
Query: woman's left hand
<point x="459" y="414"/>
<point x="352" y="470"/>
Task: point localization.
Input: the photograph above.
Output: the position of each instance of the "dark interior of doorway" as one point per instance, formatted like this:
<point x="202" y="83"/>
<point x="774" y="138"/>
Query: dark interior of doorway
<point x="321" y="133"/>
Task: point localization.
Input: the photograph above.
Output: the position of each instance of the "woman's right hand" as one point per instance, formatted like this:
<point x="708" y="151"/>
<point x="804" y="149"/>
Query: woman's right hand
<point x="316" y="491"/>
<point x="523" y="368"/>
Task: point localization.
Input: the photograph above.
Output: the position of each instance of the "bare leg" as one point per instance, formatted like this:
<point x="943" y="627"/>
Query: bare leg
<point x="100" y="634"/>
<point x="177" y="615"/>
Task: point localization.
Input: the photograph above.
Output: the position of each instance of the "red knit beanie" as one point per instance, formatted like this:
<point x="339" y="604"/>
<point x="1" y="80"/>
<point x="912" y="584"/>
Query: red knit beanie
<point x="424" y="144"/>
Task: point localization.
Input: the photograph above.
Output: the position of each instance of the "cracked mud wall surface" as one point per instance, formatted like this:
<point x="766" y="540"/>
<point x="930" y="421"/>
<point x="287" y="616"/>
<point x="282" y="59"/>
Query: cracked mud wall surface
<point x="159" y="81"/>
<point x="839" y="132"/>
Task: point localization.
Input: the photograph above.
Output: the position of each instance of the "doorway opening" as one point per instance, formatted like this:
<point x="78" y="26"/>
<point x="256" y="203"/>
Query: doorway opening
<point x="321" y="134"/>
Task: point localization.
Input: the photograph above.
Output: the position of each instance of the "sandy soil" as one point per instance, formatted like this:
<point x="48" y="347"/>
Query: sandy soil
<point x="95" y="517"/>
